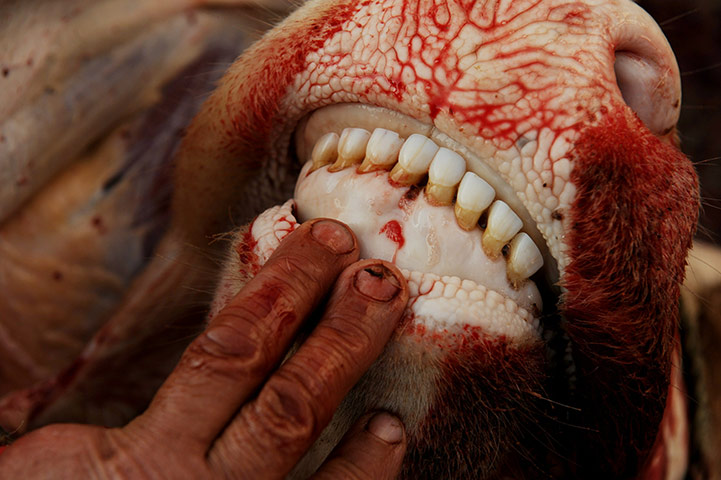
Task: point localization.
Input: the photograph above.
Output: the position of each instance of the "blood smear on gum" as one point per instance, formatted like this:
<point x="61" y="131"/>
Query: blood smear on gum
<point x="394" y="232"/>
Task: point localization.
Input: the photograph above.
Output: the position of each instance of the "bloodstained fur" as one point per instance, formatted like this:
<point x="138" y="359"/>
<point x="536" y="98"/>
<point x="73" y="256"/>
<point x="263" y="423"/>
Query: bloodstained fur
<point x="629" y="230"/>
<point x="283" y="59"/>
<point x="246" y="255"/>
<point x="227" y="143"/>
<point x="485" y="406"/>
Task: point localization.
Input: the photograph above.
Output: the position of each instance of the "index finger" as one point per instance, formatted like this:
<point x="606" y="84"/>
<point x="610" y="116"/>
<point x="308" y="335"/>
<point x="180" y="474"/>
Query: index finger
<point x="246" y="340"/>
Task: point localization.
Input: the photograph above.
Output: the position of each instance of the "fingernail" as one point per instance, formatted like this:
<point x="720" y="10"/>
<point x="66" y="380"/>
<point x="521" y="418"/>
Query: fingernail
<point x="333" y="235"/>
<point x="377" y="282"/>
<point x="386" y="427"/>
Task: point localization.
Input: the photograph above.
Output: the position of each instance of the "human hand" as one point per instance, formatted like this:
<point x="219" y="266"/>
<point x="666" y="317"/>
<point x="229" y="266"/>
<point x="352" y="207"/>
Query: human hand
<point x="228" y="409"/>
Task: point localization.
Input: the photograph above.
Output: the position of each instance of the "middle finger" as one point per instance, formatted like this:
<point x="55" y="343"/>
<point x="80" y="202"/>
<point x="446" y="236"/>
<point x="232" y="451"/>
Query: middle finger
<point x="247" y="339"/>
<point x="271" y="434"/>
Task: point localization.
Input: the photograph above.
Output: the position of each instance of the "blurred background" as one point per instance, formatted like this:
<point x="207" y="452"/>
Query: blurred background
<point x="694" y="30"/>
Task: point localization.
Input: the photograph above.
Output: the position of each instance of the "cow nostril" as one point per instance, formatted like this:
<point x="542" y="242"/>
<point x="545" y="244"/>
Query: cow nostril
<point x="643" y="85"/>
<point x="647" y="73"/>
<point x="646" y="70"/>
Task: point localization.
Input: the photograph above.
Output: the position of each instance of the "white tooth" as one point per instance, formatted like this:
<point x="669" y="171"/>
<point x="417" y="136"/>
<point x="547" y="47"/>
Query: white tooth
<point x="325" y="150"/>
<point x="417" y="153"/>
<point x="524" y="258"/>
<point x="445" y="172"/>
<point x="503" y="224"/>
<point x="382" y="150"/>
<point x="414" y="159"/>
<point x="447" y="168"/>
<point x="474" y="196"/>
<point x="351" y="147"/>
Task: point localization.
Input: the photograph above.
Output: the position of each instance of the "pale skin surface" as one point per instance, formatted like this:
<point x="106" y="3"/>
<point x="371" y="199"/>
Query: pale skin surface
<point x="228" y="410"/>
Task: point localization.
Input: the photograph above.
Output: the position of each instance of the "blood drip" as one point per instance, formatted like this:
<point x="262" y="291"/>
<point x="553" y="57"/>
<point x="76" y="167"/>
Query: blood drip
<point x="394" y="232"/>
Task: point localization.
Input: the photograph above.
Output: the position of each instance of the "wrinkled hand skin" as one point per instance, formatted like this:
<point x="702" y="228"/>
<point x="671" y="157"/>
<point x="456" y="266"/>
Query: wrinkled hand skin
<point x="606" y="186"/>
<point x="218" y="417"/>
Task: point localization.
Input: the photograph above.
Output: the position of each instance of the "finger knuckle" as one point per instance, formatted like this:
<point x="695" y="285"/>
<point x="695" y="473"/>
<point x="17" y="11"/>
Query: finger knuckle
<point x="277" y="294"/>
<point x="299" y="271"/>
<point x="317" y="371"/>
<point x="117" y="457"/>
<point x="344" y="469"/>
<point x="226" y="350"/>
<point x="121" y="455"/>
<point x="284" y="412"/>
<point x="351" y="337"/>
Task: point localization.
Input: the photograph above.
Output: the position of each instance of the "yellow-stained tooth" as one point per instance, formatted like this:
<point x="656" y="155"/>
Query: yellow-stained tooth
<point x="414" y="159"/>
<point x="351" y="148"/>
<point x="474" y="196"/>
<point x="325" y="151"/>
<point x="444" y="174"/>
<point x="467" y="219"/>
<point x="524" y="259"/>
<point x="503" y="224"/>
<point x="382" y="151"/>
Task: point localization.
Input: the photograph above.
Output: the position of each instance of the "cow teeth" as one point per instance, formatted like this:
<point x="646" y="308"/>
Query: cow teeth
<point x="413" y="160"/>
<point x="474" y="196"/>
<point x="524" y="259"/>
<point x="444" y="174"/>
<point x="382" y="150"/>
<point x="503" y="224"/>
<point x="325" y="151"/>
<point x="351" y="148"/>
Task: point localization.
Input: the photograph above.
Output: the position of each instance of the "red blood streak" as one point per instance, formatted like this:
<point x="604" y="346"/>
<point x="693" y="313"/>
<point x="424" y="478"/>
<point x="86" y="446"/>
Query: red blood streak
<point x="292" y="225"/>
<point x="438" y="55"/>
<point x="247" y="257"/>
<point x="284" y="58"/>
<point x="394" y="232"/>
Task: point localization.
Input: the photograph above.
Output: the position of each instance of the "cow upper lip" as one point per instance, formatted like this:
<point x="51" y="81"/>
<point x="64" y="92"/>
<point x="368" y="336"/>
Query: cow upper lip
<point x="336" y="117"/>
